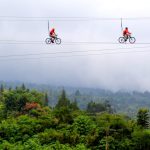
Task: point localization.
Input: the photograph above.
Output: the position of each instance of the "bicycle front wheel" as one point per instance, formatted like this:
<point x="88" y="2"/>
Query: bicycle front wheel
<point x="58" y="41"/>
<point x="48" y="41"/>
<point x="132" y="40"/>
<point x="121" y="40"/>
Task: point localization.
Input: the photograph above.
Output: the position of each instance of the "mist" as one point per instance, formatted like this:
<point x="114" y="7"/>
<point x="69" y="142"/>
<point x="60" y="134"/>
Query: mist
<point x="109" y="66"/>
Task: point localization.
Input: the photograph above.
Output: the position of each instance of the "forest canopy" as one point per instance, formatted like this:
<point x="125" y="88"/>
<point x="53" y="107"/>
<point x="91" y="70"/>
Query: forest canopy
<point x="28" y="122"/>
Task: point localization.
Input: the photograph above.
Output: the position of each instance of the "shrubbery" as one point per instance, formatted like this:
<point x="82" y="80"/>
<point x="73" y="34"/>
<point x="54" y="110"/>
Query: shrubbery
<point x="26" y="123"/>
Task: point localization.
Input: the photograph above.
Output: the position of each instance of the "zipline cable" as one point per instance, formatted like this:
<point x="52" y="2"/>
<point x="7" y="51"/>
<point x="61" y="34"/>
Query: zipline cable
<point x="48" y="27"/>
<point x="113" y="53"/>
<point x="121" y="26"/>
<point x="51" y="18"/>
<point x="67" y="42"/>
<point x="69" y="52"/>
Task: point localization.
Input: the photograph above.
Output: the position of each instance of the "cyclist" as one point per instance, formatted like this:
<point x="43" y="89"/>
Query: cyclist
<point x="126" y="33"/>
<point x="52" y="34"/>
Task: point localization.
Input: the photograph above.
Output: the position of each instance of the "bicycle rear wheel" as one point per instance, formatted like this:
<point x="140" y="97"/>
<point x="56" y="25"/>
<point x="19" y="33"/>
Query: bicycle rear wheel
<point x="48" y="41"/>
<point x="58" y="41"/>
<point x="121" y="40"/>
<point x="132" y="40"/>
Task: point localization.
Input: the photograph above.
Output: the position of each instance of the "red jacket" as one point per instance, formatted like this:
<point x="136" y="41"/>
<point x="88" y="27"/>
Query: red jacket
<point x="126" y="32"/>
<point x="52" y="32"/>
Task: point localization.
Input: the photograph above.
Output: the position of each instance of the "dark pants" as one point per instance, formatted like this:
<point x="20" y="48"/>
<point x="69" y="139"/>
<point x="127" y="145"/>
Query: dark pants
<point x="126" y="36"/>
<point x="52" y="38"/>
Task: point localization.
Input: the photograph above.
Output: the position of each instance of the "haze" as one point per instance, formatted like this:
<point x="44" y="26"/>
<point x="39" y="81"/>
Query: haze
<point x="125" y="67"/>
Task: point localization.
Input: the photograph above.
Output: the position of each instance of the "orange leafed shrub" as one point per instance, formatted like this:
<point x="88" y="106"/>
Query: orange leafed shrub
<point x="31" y="105"/>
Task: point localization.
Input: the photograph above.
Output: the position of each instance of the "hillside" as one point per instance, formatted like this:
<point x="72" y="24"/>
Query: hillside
<point x="121" y="101"/>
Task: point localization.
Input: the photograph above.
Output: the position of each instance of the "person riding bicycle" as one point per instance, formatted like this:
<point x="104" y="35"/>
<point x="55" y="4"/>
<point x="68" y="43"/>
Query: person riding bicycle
<point x="52" y="34"/>
<point x="126" y="33"/>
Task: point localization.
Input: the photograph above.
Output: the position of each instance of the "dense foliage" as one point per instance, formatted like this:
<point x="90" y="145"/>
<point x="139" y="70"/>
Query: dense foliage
<point x="127" y="102"/>
<point x="27" y="123"/>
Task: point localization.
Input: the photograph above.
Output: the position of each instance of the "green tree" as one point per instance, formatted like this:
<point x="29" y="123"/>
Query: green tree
<point x="77" y="93"/>
<point x="2" y="88"/>
<point x="93" y="107"/>
<point x="74" y="105"/>
<point x="143" y="117"/>
<point x="46" y="99"/>
<point x="23" y="87"/>
<point x="116" y="127"/>
<point x="83" y="125"/>
<point x="15" y="100"/>
<point x="63" y="114"/>
<point x="63" y="101"/>
<point x="108" y="106"/>
<point x="141" y="139"/>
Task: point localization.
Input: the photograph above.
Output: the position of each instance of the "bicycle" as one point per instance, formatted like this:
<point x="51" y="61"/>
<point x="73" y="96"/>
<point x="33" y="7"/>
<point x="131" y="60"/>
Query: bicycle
<point x="50" y="39"/>
<point x="124" y="39"/>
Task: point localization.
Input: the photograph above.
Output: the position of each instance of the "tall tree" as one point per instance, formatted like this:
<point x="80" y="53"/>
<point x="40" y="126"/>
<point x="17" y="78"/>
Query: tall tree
<point x="93" y="107"/>
<point x="74" y="105"/>
<point x="63" y="101"/>
<point x="46" y="99"/>
<point x="77" y="93"/>
<point x="2" y="88"/>
<point x="23" y="87"/>
<point x="108" y="106"/>
<point x="143" y="117"/>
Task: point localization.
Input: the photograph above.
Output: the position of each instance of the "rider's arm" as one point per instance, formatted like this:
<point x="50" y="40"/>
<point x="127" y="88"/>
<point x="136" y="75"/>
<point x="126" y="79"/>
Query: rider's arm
<point x="129" y="32"/>
<point x="54" y="34"/>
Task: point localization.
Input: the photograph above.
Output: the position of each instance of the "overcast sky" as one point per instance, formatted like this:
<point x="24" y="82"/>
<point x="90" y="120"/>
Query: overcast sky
<point x="121" y="68"/>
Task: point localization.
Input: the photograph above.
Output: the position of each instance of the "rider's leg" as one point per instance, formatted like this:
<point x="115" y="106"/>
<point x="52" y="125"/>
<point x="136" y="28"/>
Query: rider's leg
<point x="52" y="39"/>
<point x="126" y="37"/>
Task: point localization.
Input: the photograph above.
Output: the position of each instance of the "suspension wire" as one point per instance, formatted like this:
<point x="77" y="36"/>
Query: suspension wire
<point x="56" y="17"/>
<point x="121" y="26"/>
<point x="109" y="53"/>
<point x="48" y="27"/>
<point x="25" y="18"/>
<point x="68" y="42"/>
<point x="69" y="52"/>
